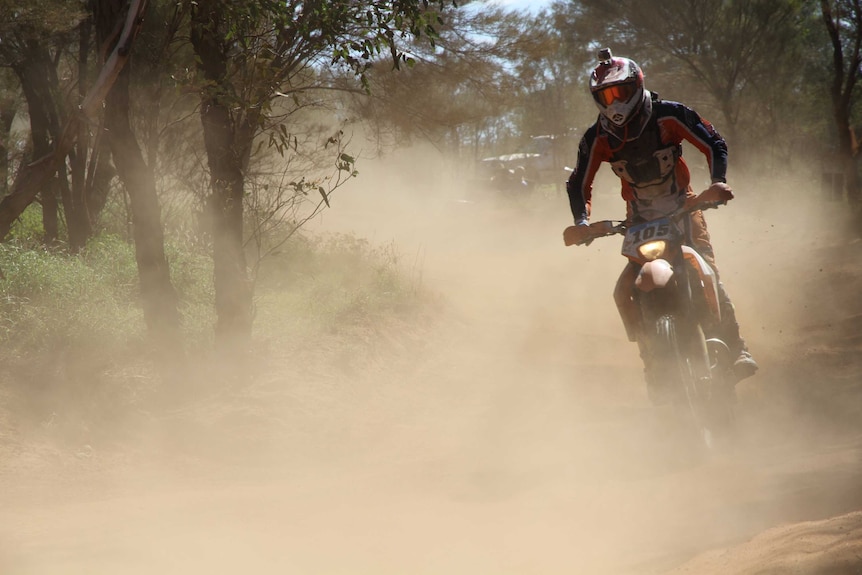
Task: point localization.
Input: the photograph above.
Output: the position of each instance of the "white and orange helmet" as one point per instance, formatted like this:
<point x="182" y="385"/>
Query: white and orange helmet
<point x="617" y="86"/>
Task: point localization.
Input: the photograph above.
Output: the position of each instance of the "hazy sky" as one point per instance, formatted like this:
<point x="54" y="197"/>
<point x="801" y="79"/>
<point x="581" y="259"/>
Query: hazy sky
<point x="533" y="5"/>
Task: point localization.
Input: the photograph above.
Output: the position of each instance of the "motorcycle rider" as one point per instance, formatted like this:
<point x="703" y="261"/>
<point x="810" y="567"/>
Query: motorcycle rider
<point x="640" y="136"/>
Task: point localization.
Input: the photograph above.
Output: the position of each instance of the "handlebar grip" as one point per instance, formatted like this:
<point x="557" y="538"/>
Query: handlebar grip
<point x="711" y="205"/>
<point x="604" y="227"/>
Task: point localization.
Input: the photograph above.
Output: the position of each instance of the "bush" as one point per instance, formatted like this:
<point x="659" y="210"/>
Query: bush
<point x="54" y="301"/>
<point x="333" y="281"/>
<point x="192" y="277"/>
<point x="50" y="300"/>
<point x="27" y="229"/>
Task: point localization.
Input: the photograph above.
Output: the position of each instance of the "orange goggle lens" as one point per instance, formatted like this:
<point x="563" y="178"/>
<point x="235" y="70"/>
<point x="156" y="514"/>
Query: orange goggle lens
<point x="611" y="94"/>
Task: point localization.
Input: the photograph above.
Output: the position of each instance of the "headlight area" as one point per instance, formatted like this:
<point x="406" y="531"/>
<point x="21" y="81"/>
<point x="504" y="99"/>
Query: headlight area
<point x="652" y="250"/>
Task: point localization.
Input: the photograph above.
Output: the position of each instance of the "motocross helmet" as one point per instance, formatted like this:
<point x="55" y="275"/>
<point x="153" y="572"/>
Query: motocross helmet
<point x="617" y="86"/>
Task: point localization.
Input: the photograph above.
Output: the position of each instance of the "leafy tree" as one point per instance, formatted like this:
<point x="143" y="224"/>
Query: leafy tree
<point x="494" y="79"/>
<point x="250" y="53"/>
<point x="843" y="21"/>
<point x="117" y="29"/>
<point x="453" y="99"/>
<point x="732" y="48"/>
<point x="553" y="99"/>
<point x="34" y="38"/>
<point x="38" y="44"/>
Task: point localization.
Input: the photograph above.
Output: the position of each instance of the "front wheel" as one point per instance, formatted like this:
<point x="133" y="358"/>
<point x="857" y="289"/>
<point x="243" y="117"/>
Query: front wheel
<point x="694" y="380"/>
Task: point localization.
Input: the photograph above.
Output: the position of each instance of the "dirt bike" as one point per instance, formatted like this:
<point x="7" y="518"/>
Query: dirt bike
<point x="677" y="300"/>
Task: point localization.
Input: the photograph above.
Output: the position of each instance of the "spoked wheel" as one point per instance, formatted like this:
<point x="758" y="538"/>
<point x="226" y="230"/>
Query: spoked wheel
<point x="701" y="394"/>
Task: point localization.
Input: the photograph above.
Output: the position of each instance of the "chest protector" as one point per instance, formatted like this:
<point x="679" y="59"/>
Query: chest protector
<point x="646" y="161"/>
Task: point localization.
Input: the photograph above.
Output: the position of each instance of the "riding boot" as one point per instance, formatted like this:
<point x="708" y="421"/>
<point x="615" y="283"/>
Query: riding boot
<point x="744" y="365"/>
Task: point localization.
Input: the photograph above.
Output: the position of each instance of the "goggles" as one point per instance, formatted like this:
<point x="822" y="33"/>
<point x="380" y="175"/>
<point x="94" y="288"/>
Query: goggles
<point x="611" y="94"/>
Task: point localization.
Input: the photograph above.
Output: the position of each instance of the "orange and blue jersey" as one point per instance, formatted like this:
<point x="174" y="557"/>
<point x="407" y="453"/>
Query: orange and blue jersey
<point x="654" y="175"/>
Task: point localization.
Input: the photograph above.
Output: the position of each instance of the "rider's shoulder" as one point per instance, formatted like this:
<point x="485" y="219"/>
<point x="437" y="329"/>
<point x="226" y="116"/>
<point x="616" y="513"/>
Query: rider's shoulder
<point x="670" y="108"/>
<point x="591" y="133"/>
<point x="668" y="105"/>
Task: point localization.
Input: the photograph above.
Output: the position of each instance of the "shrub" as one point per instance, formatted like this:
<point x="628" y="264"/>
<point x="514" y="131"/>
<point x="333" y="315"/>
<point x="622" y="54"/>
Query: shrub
<point x="333" y="281"/>
<point x="50" y="300"/>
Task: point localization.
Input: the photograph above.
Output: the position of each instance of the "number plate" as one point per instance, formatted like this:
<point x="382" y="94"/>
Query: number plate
<point x="660" y="229"/>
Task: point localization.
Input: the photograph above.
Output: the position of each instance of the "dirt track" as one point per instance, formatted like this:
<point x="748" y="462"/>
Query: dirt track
<point x="509" y="434"/>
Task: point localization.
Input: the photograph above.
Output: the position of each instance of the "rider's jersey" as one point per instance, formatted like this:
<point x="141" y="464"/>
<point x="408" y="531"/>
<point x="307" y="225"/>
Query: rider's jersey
<point x="654" y="176"/>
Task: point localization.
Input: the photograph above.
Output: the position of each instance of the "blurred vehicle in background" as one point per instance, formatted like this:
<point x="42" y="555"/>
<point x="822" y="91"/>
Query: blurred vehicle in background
<point x="541" y="163"/>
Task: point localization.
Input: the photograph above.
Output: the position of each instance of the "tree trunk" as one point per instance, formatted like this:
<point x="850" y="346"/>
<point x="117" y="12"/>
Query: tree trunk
<point x="841" y="91"/>
<point x="226" y="149"/>
<point x="78" y="222"/>
<point x="51" y="210"/>
<point x="35" y="72"/>
<point x="100" y="172"/>
<point x="157" y="292"/>
<point x="99" y="175"/>
<point x="7" y="115"/>
<point x="233" y="289"/>
<point x="846" y="156"/>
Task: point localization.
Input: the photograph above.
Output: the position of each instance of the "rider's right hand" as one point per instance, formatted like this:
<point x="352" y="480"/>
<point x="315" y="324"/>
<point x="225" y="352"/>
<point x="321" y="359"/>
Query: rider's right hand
<point x="577" y="235"/>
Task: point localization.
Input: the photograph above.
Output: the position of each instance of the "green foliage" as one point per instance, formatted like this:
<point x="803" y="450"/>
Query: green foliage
<point x="192" y="277"/>
<point x="27" y="229"/>
<point x="494" y="80"/>
<point x="251" y="52"/>
<point x="732" y="50"/>
<point x="334" y="282"/>
<point x="52" y="302"/>
<point x="44" y="17"/>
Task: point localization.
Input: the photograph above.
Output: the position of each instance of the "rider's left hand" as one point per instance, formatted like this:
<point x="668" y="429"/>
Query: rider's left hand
<point x="717" y="193"/>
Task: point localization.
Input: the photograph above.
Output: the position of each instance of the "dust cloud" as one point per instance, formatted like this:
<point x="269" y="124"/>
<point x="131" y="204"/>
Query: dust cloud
<point x="506" y="431"/>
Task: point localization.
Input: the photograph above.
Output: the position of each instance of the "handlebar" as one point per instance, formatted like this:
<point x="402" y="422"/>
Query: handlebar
<point x="584" y="235"/>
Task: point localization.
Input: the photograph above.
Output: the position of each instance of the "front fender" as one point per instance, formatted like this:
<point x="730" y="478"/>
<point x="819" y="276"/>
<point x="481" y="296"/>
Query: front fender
<point x="654" y="275"/>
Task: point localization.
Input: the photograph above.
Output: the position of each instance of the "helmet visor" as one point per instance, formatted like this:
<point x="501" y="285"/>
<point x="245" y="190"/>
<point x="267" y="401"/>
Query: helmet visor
<point x="609" y="95"/>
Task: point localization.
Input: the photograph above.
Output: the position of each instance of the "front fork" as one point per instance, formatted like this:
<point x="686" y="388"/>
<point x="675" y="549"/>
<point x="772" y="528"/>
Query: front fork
<point x="624" y="297"/>
<point x="645" y="292"/>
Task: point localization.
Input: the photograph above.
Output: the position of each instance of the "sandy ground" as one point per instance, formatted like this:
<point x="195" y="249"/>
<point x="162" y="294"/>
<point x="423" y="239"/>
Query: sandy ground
<point x="509" y="432"/>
